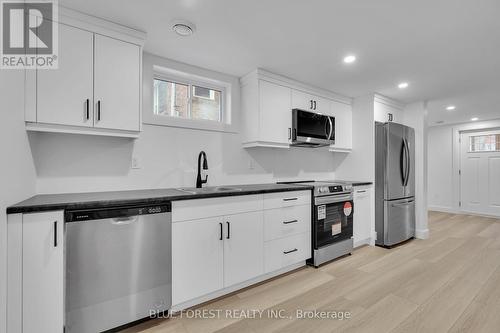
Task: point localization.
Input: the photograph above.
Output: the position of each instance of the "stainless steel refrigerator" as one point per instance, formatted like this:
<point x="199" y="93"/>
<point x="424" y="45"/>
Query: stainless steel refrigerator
<point x="394" y="183"/>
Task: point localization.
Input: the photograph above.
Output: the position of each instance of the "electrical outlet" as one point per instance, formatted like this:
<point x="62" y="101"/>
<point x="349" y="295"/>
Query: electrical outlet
<point x="136" y="163"/>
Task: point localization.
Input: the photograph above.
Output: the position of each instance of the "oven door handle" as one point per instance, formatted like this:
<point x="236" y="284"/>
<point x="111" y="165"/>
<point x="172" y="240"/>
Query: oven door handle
<point x="332" y="199"/>
<point x="331" y="129"/>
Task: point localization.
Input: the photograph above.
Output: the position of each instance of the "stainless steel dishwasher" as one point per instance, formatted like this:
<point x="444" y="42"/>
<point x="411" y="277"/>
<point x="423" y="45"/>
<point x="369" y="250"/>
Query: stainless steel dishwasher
<point x="118" y="266"/>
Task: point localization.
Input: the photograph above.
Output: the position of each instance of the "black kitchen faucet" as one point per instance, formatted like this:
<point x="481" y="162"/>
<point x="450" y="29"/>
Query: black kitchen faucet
<point x="199" y="181"/>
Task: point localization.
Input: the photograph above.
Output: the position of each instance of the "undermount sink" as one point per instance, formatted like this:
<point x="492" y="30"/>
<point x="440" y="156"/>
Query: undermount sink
<point x="209" y="189"/>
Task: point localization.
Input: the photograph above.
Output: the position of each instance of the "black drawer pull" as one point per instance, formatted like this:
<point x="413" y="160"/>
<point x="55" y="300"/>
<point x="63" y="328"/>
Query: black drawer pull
<point x="363" y="191"/>
<point x="228" y="230"/>
<point x="291" y="251"/>
<point x="88" y="109"/>
<point x="220" y="231"/>
<point x="290" y="199"/>
<point x="55" y="233"/>
<point x="289" y="222"/>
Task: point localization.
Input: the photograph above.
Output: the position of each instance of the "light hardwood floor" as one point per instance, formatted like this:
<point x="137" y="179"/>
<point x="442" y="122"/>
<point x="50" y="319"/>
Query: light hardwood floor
<point x="448" y="283"/>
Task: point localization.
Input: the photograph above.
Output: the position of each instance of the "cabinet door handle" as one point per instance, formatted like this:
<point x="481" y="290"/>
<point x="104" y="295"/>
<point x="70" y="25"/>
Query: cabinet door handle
<point x="88" y="109"/>
<point x="361" y="191"/>
<point x="98" y="110"/>
<point x="290" y="199"/>
<point x="290" y="222"/>
<point x="228" y="230"/>
<point x="289" y="133"/>
<point x="55" y="233"/>
<point x="291" y="251"/>
<point x="220" y="224"/>
<point x="314" y="105"/>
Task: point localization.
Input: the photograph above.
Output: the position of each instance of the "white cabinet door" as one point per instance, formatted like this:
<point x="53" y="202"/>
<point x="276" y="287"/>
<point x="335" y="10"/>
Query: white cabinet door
<point x="383" y="112"/>
<point x="43" y="272"/>
<point x="343" y="125"/>
<point x="197" y="258"/>
<point x="307" y="102"/>
<point x="117" y="84"/>
<point x="275" y="113"/>
<point x="362" y="216"/>
<point x="65" y="94"/>
<point x="243" y="247"/>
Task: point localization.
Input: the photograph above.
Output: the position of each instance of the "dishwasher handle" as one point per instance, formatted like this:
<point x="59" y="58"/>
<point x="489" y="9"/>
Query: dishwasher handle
<point x="124" y="220"/>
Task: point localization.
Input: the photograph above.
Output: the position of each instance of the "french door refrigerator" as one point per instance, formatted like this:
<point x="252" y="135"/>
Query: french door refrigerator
<point x="394" y="183"/>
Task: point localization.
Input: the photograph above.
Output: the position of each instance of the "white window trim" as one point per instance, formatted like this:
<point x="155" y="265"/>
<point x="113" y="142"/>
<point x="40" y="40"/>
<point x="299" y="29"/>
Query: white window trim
<point x="166" y="74"/>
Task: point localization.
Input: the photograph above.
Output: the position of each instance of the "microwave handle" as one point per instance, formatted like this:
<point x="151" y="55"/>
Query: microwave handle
<point x="331" y="128"/>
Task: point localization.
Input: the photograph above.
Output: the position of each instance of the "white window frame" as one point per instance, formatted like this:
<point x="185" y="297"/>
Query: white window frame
<point x="175" y="76"/>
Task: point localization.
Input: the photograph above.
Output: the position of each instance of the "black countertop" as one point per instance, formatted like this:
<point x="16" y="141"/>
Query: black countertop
<point x="78" y="201"/>
<point x="353" y="182"/>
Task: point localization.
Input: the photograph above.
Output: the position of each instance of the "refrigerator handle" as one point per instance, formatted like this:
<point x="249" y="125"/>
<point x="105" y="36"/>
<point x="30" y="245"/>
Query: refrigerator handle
<point x="408" y="160"/>
<point x="402" y="165"/>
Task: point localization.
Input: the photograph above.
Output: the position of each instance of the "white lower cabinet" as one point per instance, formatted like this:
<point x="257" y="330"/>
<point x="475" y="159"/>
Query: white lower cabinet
<point x="36" y="273"/>
<point x="213" y="255"/>
<point x="363" y="222"/>
<point x="243" y="247"/>
<point x="197" y="259"/>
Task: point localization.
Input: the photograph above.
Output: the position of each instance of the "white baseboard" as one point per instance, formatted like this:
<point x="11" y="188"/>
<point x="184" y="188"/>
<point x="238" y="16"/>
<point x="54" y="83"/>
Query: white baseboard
<point x="443" y="209"/>
<point x="228" y="290"/>
<point x="362" y="242"/>
<point x="422" y="233"/>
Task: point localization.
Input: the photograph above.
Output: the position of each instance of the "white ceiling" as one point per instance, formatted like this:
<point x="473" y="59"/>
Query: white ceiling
<point x="448" y="50"/>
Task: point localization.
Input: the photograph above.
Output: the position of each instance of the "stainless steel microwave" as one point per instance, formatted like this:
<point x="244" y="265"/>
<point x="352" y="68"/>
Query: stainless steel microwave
<point x="310" y="129"/>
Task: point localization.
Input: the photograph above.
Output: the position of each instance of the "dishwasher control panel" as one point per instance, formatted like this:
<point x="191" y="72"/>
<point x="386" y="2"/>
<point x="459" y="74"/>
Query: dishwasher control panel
<point x="115" y="212"/>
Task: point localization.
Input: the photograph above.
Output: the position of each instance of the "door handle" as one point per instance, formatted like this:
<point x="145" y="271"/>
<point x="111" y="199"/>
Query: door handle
<point x="291" y="251"/>
<point x="228" y="230"/>
<point x="221" y="232"/>
<point x="124" y="220"/>
<point x="88" y="109"/>
<point x="403" y="203"/>
<point x="331" y="128"/>
<point x="314" y="105"/>
<point x="55" y="233"/>
<point x="290" y="222"/>
<point x="402" y="163"/>
<point x="289" y="133"/>
<point x="98" y="110"/>
<point x="290" y="199"/>
<point x="312" y="108"/>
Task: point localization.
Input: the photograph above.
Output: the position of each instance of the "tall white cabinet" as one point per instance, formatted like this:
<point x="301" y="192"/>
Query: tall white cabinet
<point x="35" y="290"/>
<point x="97" y="86"/>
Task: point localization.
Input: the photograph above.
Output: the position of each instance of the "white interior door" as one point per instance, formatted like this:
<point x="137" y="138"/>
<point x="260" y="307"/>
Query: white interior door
<point x="480" y="172"/>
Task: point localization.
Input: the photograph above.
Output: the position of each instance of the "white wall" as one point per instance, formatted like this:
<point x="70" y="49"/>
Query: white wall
<point x="440" y="162"/>
<point x="168" y="155"/>
<point x="17" y="175"/>
<point x="444" y="162"/>
<point x="415" y="115"/>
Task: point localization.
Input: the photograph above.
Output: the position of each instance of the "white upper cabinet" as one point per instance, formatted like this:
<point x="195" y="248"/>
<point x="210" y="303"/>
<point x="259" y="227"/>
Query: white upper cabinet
<point x="65" y="95"/>
<point x="97" y="86"/>
<point x="308" y="102"/>
<point x="275" y="113"/>
<point x="343" y="126"/>
<point x="117" y="84"/>
<point x="386" y="109"/>
<point x="267" y="103"/>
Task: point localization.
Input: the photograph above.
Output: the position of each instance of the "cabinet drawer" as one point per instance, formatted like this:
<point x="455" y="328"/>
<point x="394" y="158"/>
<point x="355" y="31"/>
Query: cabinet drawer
<point x="287" y="199"/>
<point x="202" y="208"/>
<point x="287" y="251"/>
<point x="286" y="221"/>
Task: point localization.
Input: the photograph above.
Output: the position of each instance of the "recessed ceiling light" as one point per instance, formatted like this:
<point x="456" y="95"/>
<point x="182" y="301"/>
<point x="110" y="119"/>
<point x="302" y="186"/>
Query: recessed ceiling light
<point x="474" y="119"/>
<point x="451" y="107"/>
<point x="183" y="28"/>
<point x="403" y="85"/>
<point x="350" y="59"/>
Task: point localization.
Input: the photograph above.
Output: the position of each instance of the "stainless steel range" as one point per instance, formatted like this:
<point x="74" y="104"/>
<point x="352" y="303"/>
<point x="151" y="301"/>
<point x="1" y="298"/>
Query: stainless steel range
<point x="332" y="220"/>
